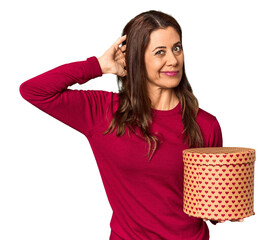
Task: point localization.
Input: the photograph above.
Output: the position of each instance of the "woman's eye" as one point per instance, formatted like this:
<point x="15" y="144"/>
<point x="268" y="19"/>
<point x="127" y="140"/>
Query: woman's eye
<point x="160" y="52"/>
<point x="177" y="49"/>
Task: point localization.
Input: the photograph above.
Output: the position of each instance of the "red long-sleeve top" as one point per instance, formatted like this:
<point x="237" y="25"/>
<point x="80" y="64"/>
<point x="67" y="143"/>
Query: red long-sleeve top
<point x="146" y="197"/>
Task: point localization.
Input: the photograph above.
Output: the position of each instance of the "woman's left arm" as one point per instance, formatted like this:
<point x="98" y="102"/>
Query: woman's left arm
<point x="215" y="135"/>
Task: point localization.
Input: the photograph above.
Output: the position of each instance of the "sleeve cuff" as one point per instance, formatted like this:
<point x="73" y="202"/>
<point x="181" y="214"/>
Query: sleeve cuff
<point x="91" y="69"/>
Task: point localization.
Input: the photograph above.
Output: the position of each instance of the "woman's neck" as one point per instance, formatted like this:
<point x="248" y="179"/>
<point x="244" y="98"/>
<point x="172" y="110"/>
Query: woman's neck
<point x="163" y="99"/>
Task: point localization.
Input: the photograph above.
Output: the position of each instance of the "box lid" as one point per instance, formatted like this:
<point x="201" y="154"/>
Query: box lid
<point x="218" y="155"/>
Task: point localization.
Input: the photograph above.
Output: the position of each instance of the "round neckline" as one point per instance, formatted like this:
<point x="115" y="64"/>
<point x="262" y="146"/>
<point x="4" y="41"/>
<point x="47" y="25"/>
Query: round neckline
<point x="175" y="110"/>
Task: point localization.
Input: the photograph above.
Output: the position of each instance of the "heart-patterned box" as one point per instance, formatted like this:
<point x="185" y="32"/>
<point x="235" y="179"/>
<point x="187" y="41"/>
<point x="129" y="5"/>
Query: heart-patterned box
<point x="219" y="182"/>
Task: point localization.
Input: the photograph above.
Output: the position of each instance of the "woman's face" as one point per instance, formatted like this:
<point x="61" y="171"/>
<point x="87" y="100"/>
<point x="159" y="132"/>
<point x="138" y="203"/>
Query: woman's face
<point x="164" y="59"/>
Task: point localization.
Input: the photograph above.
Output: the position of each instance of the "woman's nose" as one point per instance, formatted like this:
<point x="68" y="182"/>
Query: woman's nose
<point x="171" y="59"/>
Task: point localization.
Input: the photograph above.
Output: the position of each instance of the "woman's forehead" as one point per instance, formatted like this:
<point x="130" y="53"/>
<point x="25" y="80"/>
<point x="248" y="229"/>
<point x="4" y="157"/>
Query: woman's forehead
<point x="164" y="36"/>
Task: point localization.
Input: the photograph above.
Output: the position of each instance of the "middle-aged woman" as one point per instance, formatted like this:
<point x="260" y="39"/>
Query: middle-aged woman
<point x="138" y="134"/>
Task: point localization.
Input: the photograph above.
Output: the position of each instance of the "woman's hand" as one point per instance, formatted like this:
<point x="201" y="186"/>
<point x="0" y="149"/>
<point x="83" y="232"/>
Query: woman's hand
<point x="113" y="60"/>
<point x="215" y="222"/>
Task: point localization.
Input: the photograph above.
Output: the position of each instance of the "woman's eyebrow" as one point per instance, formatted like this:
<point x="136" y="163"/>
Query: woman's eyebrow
<point x="158" y="47"/>
<point x="177" y="43"/>
<point x="165" y="47"/>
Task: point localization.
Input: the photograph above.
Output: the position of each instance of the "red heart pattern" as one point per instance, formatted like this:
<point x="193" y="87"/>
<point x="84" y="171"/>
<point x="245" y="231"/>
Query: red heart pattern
<point x="219" y="183"/>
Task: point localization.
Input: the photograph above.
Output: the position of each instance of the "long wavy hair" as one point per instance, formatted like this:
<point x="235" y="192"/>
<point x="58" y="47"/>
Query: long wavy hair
<point x="134" y="103"/>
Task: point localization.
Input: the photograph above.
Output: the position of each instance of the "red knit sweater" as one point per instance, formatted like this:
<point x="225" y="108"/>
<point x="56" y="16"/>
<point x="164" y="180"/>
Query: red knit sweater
<point x="146" y="197"/>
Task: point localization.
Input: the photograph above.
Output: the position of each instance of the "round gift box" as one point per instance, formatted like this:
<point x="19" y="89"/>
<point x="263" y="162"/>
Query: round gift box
<point x="219" y="182"/>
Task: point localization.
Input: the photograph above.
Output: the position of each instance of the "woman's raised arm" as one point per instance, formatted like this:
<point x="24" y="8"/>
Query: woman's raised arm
<point x="80" y="109"/>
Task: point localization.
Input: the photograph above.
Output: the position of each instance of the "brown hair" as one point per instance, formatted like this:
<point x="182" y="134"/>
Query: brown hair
<point x="134" y="103"/>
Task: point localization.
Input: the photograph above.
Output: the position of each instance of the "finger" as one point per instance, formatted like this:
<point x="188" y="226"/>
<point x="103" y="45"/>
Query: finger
<point x="119" y="54"/>
<point x="123" y="48"/>
<point x="123" y="73"/>
<point x="119" y="58"/>
<point x="237" y="220"/>
<point x="119" y="41"/>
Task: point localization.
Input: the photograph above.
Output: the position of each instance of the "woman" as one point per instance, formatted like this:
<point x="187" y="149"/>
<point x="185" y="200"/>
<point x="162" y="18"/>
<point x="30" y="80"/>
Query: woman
<point x="137" y="135"/>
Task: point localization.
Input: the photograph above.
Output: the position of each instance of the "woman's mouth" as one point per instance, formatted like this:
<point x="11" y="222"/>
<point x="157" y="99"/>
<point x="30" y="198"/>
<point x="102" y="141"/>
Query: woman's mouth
<point x="170" y="73"/>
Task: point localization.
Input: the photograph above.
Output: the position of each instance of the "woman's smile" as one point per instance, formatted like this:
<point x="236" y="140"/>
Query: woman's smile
<point x="170" y="73"/>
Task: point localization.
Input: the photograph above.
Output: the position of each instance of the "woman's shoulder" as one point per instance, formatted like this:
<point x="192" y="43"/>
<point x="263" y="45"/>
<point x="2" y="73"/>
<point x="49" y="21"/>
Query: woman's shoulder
<point x="210" y="129"/>
<point x="205" y="118"/>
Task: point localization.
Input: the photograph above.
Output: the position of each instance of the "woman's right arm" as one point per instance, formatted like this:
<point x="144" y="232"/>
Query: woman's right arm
<point x="49" y="92"/>
<point x="80" y="109"/>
